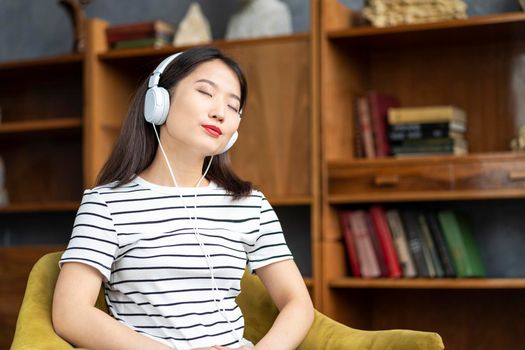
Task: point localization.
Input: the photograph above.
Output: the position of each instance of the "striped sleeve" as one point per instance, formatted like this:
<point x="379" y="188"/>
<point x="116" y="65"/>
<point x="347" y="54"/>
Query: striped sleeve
<point x="270" y="244"/>
<point x="94" y="239"/>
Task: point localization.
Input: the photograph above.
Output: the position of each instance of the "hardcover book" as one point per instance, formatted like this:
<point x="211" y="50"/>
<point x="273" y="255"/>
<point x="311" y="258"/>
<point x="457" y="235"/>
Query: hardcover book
<point x="428" y="114"/>
<point x="460" y="240"/>
<point x="401" y="243"/>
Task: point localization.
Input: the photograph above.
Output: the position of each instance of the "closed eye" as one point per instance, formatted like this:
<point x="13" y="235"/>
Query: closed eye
<point x="204" y="92"/>
<point x="234" y="109"/>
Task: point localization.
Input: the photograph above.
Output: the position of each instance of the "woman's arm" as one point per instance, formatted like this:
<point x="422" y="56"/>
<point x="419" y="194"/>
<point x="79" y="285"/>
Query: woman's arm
<point x="288" y="291"/>
<point x="76" y="319"/>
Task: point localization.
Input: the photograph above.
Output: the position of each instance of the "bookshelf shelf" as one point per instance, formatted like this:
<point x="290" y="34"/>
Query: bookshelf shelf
<point x="40" y="125"/>
<point x="118" y="54"/>
<point x="470" y="30"/>
<point x="495" y="175"/>
<point x="290" y="200"/>
<point x="424" y="283"/>
<point x="31" y="207"/>
<point x="42" y="62"/>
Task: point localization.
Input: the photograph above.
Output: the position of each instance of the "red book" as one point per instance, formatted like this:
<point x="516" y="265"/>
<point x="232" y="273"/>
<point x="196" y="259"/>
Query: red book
<point x="379" y="104"/>
<point x="348" y="237"/>
<point x="364" y="246"/>
<point x="138" y="30"/>
<point x="385" y="238"/>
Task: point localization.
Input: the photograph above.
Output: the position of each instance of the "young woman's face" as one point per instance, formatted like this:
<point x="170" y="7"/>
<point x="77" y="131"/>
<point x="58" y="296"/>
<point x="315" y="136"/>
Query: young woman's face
<point x="204" y="108"/>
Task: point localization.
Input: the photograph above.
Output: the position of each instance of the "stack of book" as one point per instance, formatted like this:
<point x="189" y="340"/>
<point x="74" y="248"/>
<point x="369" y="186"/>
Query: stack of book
<point x="383" y="13"/>
<point x="409" y="243"/>
<point x="432" y="130"/>
<point x="144" y="34"/>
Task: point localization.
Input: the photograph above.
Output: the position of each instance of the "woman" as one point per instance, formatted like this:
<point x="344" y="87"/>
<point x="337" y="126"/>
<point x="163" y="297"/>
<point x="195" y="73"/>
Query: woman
<point x="169" y="230"/>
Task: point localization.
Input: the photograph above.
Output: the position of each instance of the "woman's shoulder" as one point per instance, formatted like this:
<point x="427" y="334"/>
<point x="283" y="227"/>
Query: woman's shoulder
<point x="112" y="187"/>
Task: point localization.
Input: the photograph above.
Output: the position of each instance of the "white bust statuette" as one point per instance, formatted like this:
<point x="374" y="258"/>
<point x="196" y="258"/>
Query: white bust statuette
<point x="259" y="18"/>
<point x="194" y="28"/>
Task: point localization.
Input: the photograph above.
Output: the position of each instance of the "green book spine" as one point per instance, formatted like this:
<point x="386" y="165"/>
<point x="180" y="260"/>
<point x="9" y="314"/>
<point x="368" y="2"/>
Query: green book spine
<point x="462" y="245"/>
<point x="148" y="42"/>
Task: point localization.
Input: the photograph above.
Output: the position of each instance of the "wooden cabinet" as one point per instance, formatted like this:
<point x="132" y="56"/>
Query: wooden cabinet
<point x="476" y="64"/>
<point x="41" y="145"/>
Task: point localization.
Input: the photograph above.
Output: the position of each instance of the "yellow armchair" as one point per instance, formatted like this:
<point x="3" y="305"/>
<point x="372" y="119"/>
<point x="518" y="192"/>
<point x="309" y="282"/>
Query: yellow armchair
<point x="34" y="330"/>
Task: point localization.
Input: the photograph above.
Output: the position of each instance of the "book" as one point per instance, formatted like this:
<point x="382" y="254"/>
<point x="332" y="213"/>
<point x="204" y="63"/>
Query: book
<point x="148" y="42"/>
<point x="135" y="36"/>
<point x="348" y="238"/>
<point x="441" y="245"/>
<point x="429" y="114"/>
<point x="401" y="132"/>
<point x="384" y="235"/>
<point x="379" y="104"/>
<point x="464" y="250"/>
<point x="363" y="242"/>
<point x="403" y="251"/>
<point x="428" y="242"/>
<point x="430" y="146"/>
<point x="411" y="225"/>
<point x="138" y="30"/>
<point x="381" y="261"/>
<point x="365" y="126"/>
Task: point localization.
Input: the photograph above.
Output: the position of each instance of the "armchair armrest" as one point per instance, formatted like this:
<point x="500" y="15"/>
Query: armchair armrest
<point x="326" y="333"/>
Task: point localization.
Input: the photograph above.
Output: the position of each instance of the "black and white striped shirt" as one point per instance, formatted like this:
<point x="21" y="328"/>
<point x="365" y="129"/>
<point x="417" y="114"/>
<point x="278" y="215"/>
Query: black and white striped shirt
<point x="157" y="281"/>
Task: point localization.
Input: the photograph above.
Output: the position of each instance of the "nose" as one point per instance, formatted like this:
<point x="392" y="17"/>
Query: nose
<point x="218" y="111"/>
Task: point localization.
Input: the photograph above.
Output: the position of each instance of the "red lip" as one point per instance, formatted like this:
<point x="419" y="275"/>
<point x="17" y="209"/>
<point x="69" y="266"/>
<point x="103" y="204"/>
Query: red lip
<point x="213" y="129"/>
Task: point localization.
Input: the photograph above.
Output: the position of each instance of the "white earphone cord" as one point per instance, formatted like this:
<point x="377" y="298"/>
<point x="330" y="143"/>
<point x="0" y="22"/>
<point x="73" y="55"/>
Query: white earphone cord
<point x="193" y="220"/>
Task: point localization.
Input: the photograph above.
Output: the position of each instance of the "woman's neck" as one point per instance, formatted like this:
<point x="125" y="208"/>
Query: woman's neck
<point x="187" y="171"/>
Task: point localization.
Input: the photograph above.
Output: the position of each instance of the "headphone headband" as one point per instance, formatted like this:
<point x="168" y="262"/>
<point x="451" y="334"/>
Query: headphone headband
<point x="155" y="76"/>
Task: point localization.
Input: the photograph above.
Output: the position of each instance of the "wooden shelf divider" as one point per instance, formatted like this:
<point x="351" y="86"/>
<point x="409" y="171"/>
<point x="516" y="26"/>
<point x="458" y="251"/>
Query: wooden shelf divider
<point x="425" y="283"/>
<point x="40" y="125"/>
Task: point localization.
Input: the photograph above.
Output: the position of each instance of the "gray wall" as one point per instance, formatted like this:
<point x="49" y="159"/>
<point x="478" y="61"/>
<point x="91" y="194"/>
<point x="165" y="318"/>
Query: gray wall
<point x="37" y="28"/>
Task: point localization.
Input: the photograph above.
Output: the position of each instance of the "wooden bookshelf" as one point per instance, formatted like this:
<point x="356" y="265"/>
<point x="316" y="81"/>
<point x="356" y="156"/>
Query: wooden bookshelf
<point x="469" y="63"/>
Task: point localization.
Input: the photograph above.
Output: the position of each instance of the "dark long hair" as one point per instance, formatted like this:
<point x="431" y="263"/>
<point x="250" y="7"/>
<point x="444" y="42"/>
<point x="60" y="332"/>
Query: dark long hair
<point x="137" y="144"/>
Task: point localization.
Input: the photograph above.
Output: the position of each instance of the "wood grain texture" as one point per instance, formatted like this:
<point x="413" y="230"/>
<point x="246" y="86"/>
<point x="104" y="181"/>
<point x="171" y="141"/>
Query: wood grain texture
<point x="273" y="149"/>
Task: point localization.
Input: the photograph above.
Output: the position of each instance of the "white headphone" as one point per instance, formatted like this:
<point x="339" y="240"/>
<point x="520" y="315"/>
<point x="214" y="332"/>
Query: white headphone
<point x="157" y="103"/>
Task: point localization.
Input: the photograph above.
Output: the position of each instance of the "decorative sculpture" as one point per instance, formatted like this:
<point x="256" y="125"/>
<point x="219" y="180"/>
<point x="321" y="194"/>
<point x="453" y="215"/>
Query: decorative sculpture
<point x="75" y="9"/>
<point x="259" y="18"/>
<point x="193" y="29"/>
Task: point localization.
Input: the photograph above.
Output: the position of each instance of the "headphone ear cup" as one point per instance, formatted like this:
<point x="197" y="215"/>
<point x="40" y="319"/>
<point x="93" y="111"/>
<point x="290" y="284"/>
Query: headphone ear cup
<point x="156" y="105"/>
<point x="230" y="143"/>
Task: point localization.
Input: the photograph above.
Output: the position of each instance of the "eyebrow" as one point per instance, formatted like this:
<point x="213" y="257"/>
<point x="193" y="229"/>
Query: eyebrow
<point x="215" y="86"/>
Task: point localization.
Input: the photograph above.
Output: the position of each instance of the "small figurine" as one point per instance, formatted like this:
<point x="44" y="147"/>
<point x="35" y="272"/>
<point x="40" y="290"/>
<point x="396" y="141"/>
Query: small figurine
<point x="78" y="18"/>
<point x="518" y="144"/>
<point x="259" y="18"/>
<point x="193" y="29"/>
